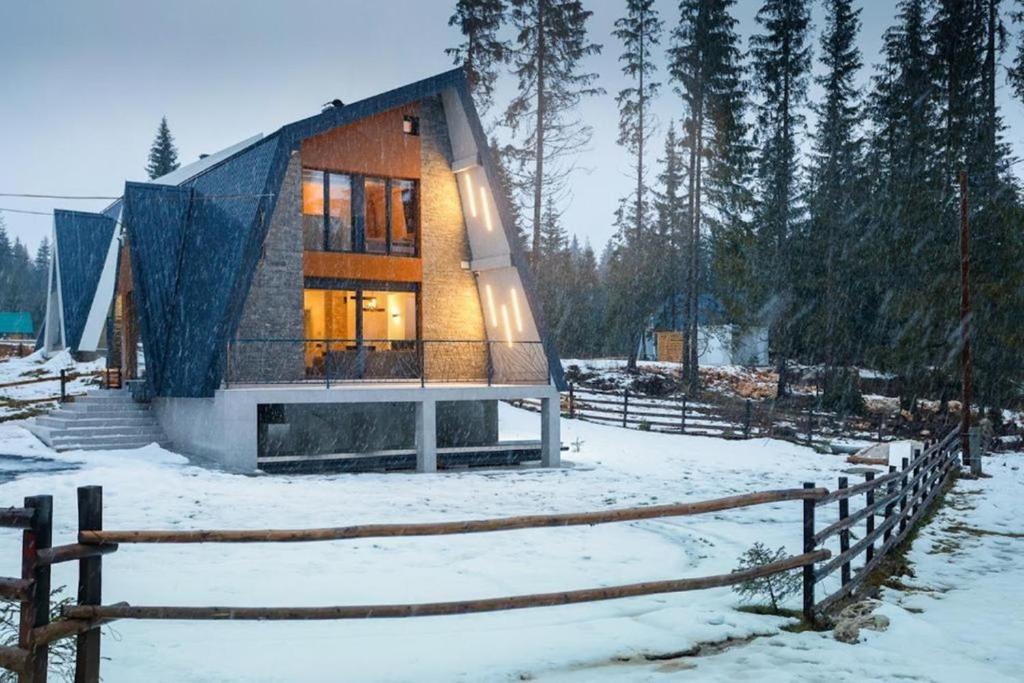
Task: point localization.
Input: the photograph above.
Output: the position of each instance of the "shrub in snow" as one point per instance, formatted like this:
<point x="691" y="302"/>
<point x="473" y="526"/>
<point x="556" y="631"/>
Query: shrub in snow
<point x="62" y="652"/>
<point x="775" y="587"/>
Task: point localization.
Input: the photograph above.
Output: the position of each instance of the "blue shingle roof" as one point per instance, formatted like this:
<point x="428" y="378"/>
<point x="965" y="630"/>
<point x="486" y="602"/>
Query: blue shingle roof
<point x="82" y="242"/>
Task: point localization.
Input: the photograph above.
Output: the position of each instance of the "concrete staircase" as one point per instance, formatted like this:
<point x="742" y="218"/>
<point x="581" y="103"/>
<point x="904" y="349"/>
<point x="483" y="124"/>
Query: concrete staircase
<point x="101" y="420"/>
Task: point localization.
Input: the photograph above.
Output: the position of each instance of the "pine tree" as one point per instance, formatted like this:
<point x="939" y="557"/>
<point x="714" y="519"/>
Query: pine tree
<point x="672" y="221"/>
<point x="782" y="60"/>
<point x="834" y="283"/>
<point x="40" y="273"/>
<point x="640" y="32"/>
<point x="705" y="65"/>
<point x="551" y="42"/>
<point x="482" y="51"/>
<point x="6" y="266"/>
<point x="163" y="155"/>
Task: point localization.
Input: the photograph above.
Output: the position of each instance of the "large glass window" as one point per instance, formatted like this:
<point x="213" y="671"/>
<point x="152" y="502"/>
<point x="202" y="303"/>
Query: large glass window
<point x="354" y="333"/>
<point x="339" y="217"/>
<point x="376" y="215"/>
<point x="403" y="217"/>
<point x="342" y="212"/>
<point x="313" y="210"/>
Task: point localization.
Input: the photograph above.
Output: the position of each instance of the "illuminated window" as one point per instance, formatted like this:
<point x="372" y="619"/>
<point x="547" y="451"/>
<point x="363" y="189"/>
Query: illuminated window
<point x="313" y="210"/>
<point x="355" y="333"/>
<point x="403" y="217"/>
<point x="339" y="218"/>
<point x="375" y="215"/>
<point x="388" y="209"/>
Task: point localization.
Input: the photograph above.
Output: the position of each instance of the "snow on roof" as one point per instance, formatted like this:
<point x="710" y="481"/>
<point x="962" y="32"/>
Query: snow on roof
<point x="185" y="173"/>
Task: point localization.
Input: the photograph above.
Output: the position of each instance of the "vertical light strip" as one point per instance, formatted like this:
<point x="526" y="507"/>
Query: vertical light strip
<point x="487" y="209"/>
<point x="515" y="308"/>
<point x="490" y="305"/>
<point x="508" y="328"/>
<point x="469" y="193"/>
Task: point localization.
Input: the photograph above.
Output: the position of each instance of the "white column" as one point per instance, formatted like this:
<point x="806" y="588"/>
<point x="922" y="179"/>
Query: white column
<point x="550" y="435"/>
<point x="426" y="436"/>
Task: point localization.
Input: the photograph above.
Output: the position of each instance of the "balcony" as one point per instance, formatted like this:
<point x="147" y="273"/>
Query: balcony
<point x="333" y="362"/>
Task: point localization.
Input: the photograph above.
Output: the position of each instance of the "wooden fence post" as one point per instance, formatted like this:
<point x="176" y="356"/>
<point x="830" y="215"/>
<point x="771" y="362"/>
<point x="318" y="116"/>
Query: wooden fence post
<point x="904" y="491"/>
<point x="747" y="418"/>
<point x="844" y="535"/>
<point x="809" y="547"/>
<point x="682" y="417"/>
<point x="572" y="401"/>
<point x="63" y="385"/>
<point x="870" y="521"/>
<point x="890" y="491"/>
<point x="810" y="426"/>
<point x="35" y="609"/>
<point x="625" y="407"/>
<point x="90" y="518"/>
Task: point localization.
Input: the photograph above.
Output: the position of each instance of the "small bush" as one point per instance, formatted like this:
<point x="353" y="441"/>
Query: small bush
<point x="776" y="587"/>
<point x="62" y="652"/>
<point x="644" y="426"/>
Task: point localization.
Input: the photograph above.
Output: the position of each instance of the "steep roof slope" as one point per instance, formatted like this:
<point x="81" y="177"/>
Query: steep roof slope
<point x="82" y="240"/>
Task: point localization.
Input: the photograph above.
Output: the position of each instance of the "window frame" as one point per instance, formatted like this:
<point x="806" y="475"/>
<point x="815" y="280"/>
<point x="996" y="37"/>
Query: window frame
<point x="357" y="187"/>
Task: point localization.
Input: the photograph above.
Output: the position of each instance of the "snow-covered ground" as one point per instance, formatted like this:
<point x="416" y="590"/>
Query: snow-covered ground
<point x="606" y="467"/>
<point x="36" y="365"/>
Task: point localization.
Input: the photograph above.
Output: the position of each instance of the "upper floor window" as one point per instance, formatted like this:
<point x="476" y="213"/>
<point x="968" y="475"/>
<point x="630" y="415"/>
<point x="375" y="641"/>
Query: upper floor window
<point x="356" y="213"/>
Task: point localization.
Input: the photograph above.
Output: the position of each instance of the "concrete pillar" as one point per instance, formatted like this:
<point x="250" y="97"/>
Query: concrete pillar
<point x="550" y="434"/>
<point x="426" y="436"/>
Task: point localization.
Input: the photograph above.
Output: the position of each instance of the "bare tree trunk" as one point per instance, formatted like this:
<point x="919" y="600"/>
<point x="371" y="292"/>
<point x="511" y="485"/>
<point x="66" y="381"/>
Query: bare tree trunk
<point x="694" y="377"/>
<point x="538" y="178"/>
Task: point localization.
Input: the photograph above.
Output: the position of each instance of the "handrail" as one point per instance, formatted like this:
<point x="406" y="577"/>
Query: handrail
<point x="447" y="528"/>
<point x="107" y="612"/>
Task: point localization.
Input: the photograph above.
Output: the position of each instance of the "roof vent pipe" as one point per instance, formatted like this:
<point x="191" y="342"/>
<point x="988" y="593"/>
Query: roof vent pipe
<point x="336" y="104"/>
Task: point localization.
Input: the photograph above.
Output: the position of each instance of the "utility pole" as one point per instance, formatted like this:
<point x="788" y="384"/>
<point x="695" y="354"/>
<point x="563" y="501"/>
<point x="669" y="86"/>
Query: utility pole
<point x="965" y="325"/>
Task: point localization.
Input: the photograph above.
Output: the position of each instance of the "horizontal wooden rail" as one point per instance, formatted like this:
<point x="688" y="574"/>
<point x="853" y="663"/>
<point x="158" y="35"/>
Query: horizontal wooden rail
<point x="73" y="551"/>
<point x="66" y="628"/>
<point x="443" y="608"/>
<point x="14" y="589"/>
<point x="13" y="658"/>
<point x="54" y="378"/>
<point x="448" y="528"/>
<point x="858" y="489"/>
<point x="877" y="508"/>
<point x="17" y="518"/>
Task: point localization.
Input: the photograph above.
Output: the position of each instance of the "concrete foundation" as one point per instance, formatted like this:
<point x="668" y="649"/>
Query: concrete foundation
<point x="225" y="429"/>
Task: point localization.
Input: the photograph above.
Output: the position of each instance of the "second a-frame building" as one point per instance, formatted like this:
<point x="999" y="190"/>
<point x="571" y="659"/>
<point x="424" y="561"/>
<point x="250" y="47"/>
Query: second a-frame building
<point x="346" y="291"/>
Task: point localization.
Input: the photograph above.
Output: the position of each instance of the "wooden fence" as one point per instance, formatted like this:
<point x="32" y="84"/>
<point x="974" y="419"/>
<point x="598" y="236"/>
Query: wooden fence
<point x="911" y="490"/>
<point x="110" y="379"/>
<point x="901" y="498"/>
<point x="730" y="419"/>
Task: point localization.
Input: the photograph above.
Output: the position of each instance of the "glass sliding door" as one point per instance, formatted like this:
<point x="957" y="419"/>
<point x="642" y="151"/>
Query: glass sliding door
<point x="361" y="334"/>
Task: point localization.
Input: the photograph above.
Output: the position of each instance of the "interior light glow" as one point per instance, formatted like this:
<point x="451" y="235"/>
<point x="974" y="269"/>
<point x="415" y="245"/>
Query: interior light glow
<point x="487" y="210"/>
<point x="469" y="193"/>
<point x="515" y="308"/>
<point x="490" y="305"/>
<point x="508" y="328"/>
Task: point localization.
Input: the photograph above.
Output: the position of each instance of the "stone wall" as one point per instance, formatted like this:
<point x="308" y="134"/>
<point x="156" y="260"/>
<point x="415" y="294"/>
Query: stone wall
<point x="273" y="309"/>
<point x="450" y="303"/>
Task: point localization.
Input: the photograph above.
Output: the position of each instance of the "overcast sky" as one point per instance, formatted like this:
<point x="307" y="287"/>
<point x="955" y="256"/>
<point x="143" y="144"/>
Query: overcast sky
<point x="83" y="85"/>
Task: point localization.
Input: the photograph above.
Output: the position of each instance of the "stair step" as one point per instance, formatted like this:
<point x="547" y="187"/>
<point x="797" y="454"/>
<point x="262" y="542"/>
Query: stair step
<point x="108" y="445"/>
<point x="101" y="420"/>
<point x="59" y="422"/>
<point x="79" y="433"/>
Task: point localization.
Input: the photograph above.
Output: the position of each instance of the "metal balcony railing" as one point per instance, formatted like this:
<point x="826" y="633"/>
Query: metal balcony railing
<point x="338" y="361"/>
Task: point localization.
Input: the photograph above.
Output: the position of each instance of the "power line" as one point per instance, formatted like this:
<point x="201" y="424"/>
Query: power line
<point x="37" y="213"/>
